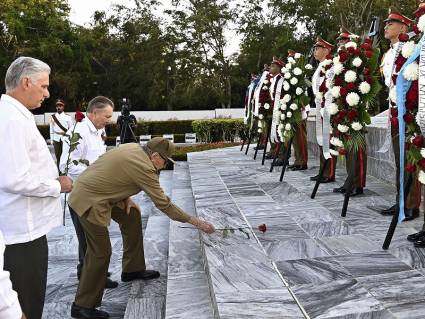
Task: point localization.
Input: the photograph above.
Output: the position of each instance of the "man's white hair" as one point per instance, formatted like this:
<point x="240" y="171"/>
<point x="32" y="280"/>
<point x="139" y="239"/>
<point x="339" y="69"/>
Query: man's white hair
<point x="24" y="67"/>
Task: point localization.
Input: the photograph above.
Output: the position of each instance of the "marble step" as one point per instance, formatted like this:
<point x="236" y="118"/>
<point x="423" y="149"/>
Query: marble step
<point x="243" y="280"/>
<point x="146" y="299"/>
<point x="188" y="294"/>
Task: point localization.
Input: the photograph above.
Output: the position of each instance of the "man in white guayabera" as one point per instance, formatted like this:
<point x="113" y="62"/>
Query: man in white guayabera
<point x="29" y="185"/>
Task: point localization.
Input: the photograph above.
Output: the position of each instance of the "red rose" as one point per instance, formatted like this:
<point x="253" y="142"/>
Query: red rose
<point x="411" y="168"/>
<point x="418" y="141"/>
<point x="262" y="228"/>
<point x="351" y="86"/>
<point x="79" y="116"/>
<point x="357" y="52"/>
<point x="403" y="37"/>
<point x="394" y="122"/>
<point x="343" y="113"/>
<point x="343" y="92"/>
<point x="322" y="73"/>
<point x="352" y="115"/>
<point x="342" y="151"/>
<point x="368" y="54"/>
<point x="366" y="71"/>
<point x="343" y="56"/>
<point x="412" y="95"/>
<point x="367" y="46"/>
<point x="368" y="41"/>
<point x="421" y="163"/>
<point x="338" y="81"/>
<point x="351" y="50"/>
<point x="408" y="117"/>
<point x="323" y="87"/>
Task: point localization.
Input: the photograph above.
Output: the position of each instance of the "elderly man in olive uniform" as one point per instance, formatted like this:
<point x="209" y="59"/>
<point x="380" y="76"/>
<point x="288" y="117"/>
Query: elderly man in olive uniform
<point x="103" y="192"/>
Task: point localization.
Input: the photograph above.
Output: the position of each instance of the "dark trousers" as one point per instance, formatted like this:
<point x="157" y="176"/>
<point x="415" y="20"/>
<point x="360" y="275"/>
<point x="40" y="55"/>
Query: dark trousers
<point x="330" y="168"/>
<point x="96" y="261"/>
<point x="27" y="264"/>
<point x="300" y="144"/>
<point x="356" y="166"/>
<point x="82" y="245"/>
<point x="58" y="151"/>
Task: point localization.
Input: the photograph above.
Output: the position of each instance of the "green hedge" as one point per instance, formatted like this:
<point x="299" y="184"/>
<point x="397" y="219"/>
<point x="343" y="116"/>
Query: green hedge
<point x="218" y="130"/>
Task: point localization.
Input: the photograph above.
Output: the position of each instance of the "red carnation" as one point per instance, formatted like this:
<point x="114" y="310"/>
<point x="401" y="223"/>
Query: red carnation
<point x="262" y="228"/>
<point x="403" y="37"/>
<point x="343" y="92"/>
<point x="421" y="163"/>
<point x="368" y="41"/>
<point x="351" y="86"/>
<point x="408" y="117"/>
<point x="366" y="71"/>
<point x="343" y="56"/>
<point x="418" y="141"/>
<point x="351" y="50"/>
<point x="338" y="81"/>
<point x="411" y="168"/>
<point x="394" y="122"/>
<point x="367" y="46"/>
<point x="368" y="54"/>
<point x="412" y="94"/>
<point x="352" y="115"/>
<point x="357" y="52"/>
<point x="416" y="29"/>
<point x="79" y="116"/>
<point x="342" y="151"/>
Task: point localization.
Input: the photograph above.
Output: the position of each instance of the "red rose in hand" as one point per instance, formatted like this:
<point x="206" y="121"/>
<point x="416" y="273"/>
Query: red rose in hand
<point x="343" y="92"/>
<point x="352" y="115"/>
<point x="411" y="168"/>
<point x="368" y="54"/>
<point x="418" y="141"/>
<point x="343" y="56"/>
<point x="421" y="163"/>
<point x="367" y="46"/>
<point x="394" y="122"/>
<point x="79" y="116"/>
<point x="408" y="117"/>
<point x="403" y="37"/>
<point x="262" y="228"/>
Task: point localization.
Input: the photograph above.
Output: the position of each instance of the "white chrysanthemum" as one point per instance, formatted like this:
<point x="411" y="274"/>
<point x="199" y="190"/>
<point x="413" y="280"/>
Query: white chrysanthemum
<point x="260" y="124"/>
<point x="352" y="99"/>
<point x="351" y="44"/>
<point x="280" y="127"/>
<point x="356" y="126"/>
<point x="336" y="60"/>
<point x="393" y="95"/>
<point x="266" y="106"/>
<point x="260" y="130"/>
<point x="350" y="76"/>
<point x="283" y="70"/>
<point x="287" y="75"/>
<point x="286" y="86"/>
<point x="286" y="133"/>
<point x="299" y="91"/>
<point x="329" y="83"/>
<point x="336" y="141"/>
<point x="423" y="152"/>
<point x="288" y="66"/>
<point x="289" y="115"/>
<point x="333" y="109"/>
<point x="308" y="67"/>
<point x="357" y="62"/>
<point x="364" y="87"/>
<point x="408" y="49"/>
<point x="338" y="68"/>
<point x="283" y="117"/>
<point x="261" y="116"/>
<point x="283" y="107"/>
<point x="293" y="107"/>
<point x="297" y="55"/>
<point x="343" y="128"/>
<point x="333" y="152"/>
<point x="421" y="177"/>
<point x="286" y="98"/>
<point x="266" y="82"/>
<point x="294" y="81"/>
<point x="287" y="127"/>
<point x="291" y="60"/>
<point x="265" y="88"/>
<point x="298" y="71"/>
<point x="411" y="72"/>
<point x="421" y="24"/>
<point x="335" y="91"/>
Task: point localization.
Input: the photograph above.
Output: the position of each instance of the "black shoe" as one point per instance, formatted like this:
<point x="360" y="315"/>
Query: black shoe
<point x="87" y="313"/>
<point x="108" y="274"/>
<point x="414" y="237"/>
<point x="314" y="178"/>
<point x="299" y="167"/>
<point x="144" y="275"/>
<point x="357" y="191"/>
<point x="325" y="180"/>
<point x="341" y="190"/>
<point x="410" y="213"/>
<point x="389" y="211"/>
<point x="110" y="284"/>
<point x="269" y="155"/>
<point x="279" y="162"/>
<point x="420" y="243"/>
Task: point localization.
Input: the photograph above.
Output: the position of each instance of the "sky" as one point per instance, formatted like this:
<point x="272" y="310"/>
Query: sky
<point x="83" y="10"/>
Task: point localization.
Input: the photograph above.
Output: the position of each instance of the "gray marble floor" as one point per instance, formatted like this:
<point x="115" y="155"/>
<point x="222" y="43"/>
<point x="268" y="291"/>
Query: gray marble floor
<point x="311" y="262"/>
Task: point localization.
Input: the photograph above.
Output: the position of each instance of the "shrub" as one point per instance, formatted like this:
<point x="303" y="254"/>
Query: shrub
<point x="219" y="129"/>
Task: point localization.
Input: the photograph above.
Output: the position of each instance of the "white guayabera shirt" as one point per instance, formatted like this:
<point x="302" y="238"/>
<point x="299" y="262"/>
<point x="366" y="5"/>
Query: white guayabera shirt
<point x="90" y="147"/>
<point x="9" y="303"/>
<point x="29" y="190"/>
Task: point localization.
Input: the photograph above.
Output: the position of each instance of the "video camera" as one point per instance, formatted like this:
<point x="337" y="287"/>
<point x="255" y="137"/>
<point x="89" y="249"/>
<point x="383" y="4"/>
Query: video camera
<point x="127" y="123"/>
